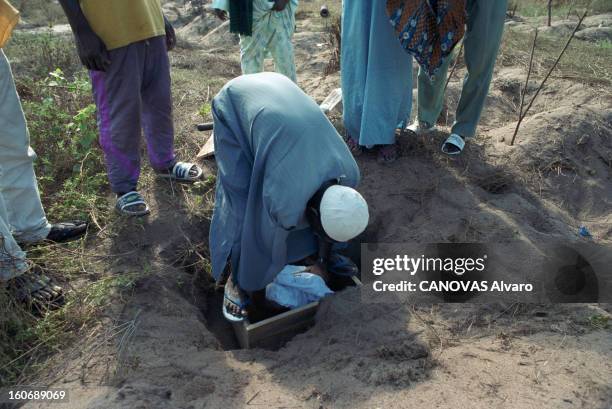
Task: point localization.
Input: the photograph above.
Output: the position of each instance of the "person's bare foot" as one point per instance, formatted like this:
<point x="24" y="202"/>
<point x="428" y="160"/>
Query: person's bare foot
<point x="353" y="146"/>
<point x="235" y="301"/>
<point x="388" y="153"/>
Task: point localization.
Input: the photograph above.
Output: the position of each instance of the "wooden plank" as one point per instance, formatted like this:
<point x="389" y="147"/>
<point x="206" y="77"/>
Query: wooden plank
<point x="240" y="329"/>
<point x="250" y="335"/>
<point x="208" y="149"/>
<point x="281" y="324"/>
<point x="332" y="100"/>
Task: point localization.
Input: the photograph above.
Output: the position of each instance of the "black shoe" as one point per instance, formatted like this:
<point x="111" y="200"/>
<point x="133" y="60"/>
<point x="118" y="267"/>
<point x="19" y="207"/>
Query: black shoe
<point x="66" y="231"/>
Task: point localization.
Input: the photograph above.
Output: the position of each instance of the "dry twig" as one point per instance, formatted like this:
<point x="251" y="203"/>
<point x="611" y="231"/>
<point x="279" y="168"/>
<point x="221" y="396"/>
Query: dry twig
<point x="454" y="67"/>
<point x="529" y="69"/>
<point x="569" y="40"/>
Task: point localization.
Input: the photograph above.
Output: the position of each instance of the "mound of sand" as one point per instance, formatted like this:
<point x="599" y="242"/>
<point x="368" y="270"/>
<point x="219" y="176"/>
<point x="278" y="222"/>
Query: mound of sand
<point x="595" y="34"/>
<point x="594" y="28"/>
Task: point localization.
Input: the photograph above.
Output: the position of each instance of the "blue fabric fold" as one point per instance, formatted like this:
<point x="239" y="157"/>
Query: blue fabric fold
<point x="293" y="287"/>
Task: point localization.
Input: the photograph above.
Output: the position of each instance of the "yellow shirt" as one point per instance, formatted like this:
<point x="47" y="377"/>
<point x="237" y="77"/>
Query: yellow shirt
<point x="122" y="22"/>
<point x="9" y="17"/>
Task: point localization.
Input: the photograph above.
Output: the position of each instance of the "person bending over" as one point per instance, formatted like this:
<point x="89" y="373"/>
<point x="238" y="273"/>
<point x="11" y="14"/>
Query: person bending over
<point x="285" y="186"/>
<point x="124" y="44"/>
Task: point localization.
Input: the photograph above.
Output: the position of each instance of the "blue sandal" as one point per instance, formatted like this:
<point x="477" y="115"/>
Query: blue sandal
<point x="453" y="145"/>
<point x="183" y="172"/>
<point x="132" y="204"/>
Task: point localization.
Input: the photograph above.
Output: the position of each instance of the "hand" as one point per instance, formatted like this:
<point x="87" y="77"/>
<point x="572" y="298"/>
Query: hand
<point x="170" y="35"/>
<point x="319" y="270"/>
<point x="279" y="5"/>
<point x="92" y="51"/>
<point x="221" y="14"/>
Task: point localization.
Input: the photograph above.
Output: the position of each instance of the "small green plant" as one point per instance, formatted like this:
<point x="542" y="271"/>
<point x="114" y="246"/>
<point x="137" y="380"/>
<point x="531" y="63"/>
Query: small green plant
<point x="605" y="44"/>
<point x="599" y="321"/>
<point x="205" y="111"/>
<point x="62" y="121"/>
<point x="210" y="181"/>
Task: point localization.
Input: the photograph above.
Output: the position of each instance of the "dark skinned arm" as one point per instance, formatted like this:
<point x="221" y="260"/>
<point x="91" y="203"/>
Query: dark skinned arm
<point x="90" y="47"/>
<point x="170" y="35"/>
<point x="279" y="5"/>
<point x="221" y="14"/>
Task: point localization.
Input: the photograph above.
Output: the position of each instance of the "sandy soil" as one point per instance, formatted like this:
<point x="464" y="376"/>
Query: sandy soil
<point x="164" y="346"/>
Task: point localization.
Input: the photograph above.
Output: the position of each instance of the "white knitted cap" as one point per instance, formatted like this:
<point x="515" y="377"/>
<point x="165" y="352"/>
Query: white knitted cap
<point x="344" y="213"/>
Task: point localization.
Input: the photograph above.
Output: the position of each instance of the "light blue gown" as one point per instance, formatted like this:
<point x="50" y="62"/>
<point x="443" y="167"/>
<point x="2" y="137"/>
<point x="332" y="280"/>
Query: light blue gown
<point x="272" y="35"/>
<point x="376" y="74"/>
<point x="274" y="149"/>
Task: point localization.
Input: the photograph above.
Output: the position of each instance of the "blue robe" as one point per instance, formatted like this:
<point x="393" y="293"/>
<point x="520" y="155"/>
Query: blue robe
<point x="376" y="74"/>
<point x="274" y="149"/>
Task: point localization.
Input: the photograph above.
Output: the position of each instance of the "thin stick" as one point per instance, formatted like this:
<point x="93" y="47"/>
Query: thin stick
<point x="524" y="91"/>
<point x="569" y="40"/>
<point x="219" y="28"/>
<point x="454" y="67"/>
<point x="549" y="13"/>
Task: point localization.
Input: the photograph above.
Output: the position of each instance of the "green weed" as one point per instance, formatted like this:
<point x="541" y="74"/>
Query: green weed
<point x="62" y="122"/>
<point x="34" y="56"/>
<point x="57" y="102"/>
<point x="205" y="111"/>
<point x="599" y="321"/>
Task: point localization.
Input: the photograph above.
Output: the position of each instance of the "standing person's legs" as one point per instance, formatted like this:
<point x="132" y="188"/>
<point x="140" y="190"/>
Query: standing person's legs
<point x="355" y="40"/>
<point x="20" y="209"/>
<point x="252" y="54"/>
<point x="281" y="48"/>
<point x="23" y="211"/>
<point x="485" y="26"/>
<point x="431" y="92"/>
<point x="376" y="75"/>
<point x="281" y="45"/>
<point x="12" y="259"/>
<point x="157" y="105"/>
<point x="117" y="93"/>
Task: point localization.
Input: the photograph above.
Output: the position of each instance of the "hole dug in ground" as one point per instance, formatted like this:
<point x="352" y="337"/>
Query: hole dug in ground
<point x="209" y="299"/>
